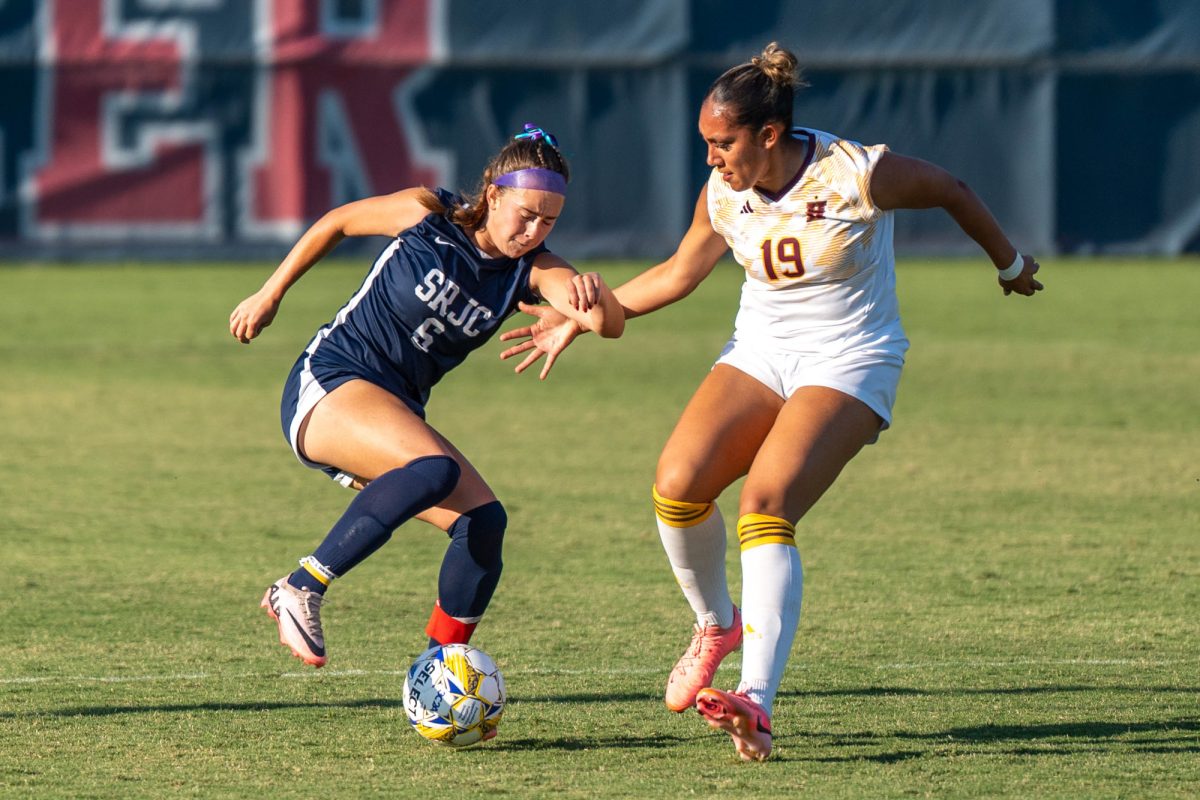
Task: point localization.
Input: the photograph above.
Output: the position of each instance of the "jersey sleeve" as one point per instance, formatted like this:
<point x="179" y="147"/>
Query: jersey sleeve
<point x="849" y="173"/>
<point x="449" y="199"/>
<point x="718" y="202"/>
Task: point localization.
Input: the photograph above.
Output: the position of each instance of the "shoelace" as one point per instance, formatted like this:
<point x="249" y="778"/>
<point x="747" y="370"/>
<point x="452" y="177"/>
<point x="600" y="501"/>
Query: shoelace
<point x="698" y="637"/>
<point x="311" y="603"/>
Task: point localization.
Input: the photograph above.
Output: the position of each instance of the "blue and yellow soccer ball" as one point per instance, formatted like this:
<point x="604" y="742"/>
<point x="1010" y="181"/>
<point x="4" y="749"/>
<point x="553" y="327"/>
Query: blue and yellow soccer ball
<point x="454" y="695"/>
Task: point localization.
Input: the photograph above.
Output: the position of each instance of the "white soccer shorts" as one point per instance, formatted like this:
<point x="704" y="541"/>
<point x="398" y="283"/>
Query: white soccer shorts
<point x="871" y="376"/>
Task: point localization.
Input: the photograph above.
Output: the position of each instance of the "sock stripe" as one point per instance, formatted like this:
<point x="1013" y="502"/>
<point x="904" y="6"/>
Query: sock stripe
<point x="680" y="513"/>
<point x="759" y="529"/>
<point x="445" y="629"/>
<point x="317" y="570"/>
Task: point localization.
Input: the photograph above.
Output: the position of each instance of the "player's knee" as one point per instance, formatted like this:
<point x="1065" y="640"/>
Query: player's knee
<point x="397" y="494"/>
<point x="482" y="531"/>
<point x="768" y="503"/>
<point x="440" y="473"/>
<point x="677" y="482"/>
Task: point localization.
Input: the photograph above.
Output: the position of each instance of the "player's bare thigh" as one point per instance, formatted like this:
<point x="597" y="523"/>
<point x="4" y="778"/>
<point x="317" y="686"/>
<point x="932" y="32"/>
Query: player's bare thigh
<point x="716" y="439"/>
<point x="365" y="430"/>
<point x="815" y="435"/>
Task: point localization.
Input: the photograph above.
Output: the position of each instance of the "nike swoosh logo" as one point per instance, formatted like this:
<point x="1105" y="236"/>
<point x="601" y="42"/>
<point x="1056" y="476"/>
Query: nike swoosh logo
<point x="440" y="240"/>
<point x="758" y="722"/>
<point x="316" y="648"/>
<point x="272" y="603"/>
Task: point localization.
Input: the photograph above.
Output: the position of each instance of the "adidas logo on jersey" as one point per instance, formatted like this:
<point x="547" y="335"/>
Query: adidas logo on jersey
<point x="746" y="209"/>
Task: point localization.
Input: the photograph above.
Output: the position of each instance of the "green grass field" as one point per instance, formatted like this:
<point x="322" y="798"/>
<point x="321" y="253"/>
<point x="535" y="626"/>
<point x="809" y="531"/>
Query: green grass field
<point x="1002" y="596"/>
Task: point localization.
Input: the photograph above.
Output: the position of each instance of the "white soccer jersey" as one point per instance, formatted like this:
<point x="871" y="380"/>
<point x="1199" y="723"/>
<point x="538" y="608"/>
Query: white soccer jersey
<point x="820" y="268"/>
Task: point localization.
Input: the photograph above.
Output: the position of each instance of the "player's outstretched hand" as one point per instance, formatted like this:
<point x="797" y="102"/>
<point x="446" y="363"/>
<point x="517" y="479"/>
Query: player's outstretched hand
<point x="1024" y="283"/>
<point x="252" y="315"/>
<point x="548" y="336"/>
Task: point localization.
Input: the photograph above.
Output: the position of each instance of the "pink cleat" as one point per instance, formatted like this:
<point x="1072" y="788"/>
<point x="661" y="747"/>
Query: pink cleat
<point x="740" y="717"/>
<point x="298" y="612"/>
<point x="696" y="668"/>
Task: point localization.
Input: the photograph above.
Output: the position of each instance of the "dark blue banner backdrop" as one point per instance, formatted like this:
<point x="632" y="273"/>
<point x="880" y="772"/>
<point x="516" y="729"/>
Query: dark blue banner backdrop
<point x="221" y="128"/>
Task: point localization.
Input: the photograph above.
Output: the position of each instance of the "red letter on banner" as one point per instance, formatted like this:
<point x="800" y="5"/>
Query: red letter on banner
<point x="329" y="129"/>
<point x="95" y="176"/>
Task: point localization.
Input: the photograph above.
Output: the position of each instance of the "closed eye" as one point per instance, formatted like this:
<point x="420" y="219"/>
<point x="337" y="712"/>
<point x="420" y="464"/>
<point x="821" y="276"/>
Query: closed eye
<point x="529" y="216"/>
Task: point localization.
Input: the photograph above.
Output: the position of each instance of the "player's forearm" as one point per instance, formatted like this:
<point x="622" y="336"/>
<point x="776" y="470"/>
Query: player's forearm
<point x="973" y="216"/>
<point x="314" y="245"/>
<point x="658" y="286"/>
<point x="607" y="319"/>
<point x="904" y="182"/>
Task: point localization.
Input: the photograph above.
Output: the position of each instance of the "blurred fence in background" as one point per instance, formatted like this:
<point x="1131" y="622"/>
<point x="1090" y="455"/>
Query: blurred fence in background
<point x="221" y="128"/>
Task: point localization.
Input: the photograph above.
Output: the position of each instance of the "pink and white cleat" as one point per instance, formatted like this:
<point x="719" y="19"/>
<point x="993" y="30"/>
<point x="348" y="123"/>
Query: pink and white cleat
<point x="740" y="717"/>
<point x="298" y="613"/>
<point x="696" y="667"/>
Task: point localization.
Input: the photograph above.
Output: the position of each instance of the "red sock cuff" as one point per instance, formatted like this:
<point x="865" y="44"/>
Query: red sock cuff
<point x="448" y="630"/>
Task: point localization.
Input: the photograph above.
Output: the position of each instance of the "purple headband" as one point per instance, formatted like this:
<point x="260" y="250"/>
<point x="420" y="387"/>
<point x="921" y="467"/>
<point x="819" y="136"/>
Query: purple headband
<point x="546" y="180"/>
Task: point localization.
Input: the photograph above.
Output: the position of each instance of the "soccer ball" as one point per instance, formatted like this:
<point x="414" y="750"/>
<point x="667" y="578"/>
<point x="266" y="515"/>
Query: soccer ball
<point x="454" y="695"/>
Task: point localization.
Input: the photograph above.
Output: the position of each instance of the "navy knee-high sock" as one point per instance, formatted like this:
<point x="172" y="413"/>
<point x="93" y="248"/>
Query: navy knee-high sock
<point x="470" y="571"/>
<point x="379" y="509"/>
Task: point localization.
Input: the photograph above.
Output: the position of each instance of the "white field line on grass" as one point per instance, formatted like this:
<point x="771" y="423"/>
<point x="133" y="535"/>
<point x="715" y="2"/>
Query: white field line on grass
<point x="729" y="666"/>
<point x="1035" y="662"/>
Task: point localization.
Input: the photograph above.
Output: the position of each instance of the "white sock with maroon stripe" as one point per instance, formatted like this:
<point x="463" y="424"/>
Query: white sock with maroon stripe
<point x="772" y="589"/>
<point x="694" y="538"/>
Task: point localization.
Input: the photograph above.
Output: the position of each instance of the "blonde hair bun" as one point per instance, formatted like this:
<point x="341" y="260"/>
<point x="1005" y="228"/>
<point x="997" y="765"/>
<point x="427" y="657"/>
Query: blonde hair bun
<point x="779" y="65"/>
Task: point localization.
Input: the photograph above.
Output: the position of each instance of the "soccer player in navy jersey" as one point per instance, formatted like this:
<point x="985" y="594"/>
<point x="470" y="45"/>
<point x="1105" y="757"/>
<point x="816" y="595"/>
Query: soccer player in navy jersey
<point x="353" y="405"/>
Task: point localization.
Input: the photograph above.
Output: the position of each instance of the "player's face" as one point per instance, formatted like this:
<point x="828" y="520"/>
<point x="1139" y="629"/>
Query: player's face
<point x="519" y="220"/>
<point x="733" y="150"/>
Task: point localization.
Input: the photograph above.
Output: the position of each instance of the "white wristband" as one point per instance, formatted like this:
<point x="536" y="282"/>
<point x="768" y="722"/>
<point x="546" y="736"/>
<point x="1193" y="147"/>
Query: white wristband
<point x="1014" y="269"/>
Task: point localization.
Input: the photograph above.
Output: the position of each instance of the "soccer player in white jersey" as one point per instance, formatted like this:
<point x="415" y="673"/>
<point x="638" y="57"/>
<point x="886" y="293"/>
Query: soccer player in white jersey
<point x="808" y="377"/>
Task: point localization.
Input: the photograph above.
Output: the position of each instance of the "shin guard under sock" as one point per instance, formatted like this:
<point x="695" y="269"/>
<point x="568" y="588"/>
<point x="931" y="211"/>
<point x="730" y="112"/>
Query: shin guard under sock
<point x="470" y="571"/>
<point x="693" y="536"/>
<point x="381" y="507"/>
<point x="772" y="590"/>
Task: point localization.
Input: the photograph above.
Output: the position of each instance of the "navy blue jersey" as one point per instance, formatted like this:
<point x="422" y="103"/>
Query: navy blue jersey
<point x="429" y="300"/>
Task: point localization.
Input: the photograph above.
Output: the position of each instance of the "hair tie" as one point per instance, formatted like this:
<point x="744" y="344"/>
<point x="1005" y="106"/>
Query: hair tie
<point x="534" y="133"/>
